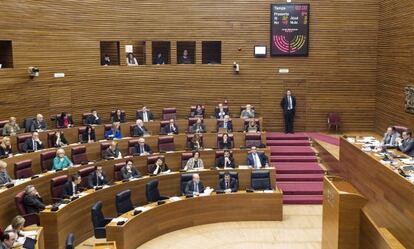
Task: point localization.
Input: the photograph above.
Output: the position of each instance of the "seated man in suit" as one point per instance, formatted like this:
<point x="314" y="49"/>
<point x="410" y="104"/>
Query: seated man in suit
<point x="11" y="128"/>
<point x="33" y="144"/>
<point x="257" y="159"/>
<point x="406" y="144"/>
<point x="93" y="119"/>
<point x="4" y="176"/>
<point x="195" y="162"/>
<point x="227" y="184"/>
<point x="195" y="186"/>
<point x="8" y="239"/>
<point x="97" y="178"/>
<point x="129" y="171"/>
<point x="139" y="129"/>
<point x="32" y="201"/>
<point x="390" y="137"/>
<point x="247" y="113"/>
<point x="112" y="152"/>
<point x="198" y="127"/>
<point x="171" y="128"/>
<point x="220" y="112"/>
<point x="72" y="188"/>
<point x="226" y="124"/>
<point x="226" y="161"/>
<point x="145" y="115"/>
<point x="142" y="148"/>
<point x="38" y="124"/>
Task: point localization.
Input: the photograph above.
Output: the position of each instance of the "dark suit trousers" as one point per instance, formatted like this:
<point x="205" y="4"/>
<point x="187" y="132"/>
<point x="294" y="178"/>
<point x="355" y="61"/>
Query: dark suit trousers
<point x="289" y="116"/>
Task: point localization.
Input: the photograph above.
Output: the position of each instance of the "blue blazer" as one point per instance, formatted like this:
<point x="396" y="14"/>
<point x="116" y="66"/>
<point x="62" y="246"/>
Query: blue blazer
<point x="110" y="133"/>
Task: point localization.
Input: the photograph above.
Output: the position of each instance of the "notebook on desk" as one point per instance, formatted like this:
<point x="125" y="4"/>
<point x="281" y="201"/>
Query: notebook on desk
<point x="29" y="243"/>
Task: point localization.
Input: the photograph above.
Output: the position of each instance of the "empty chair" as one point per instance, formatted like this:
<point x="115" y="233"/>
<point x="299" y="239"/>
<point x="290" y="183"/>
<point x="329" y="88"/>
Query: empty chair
<point x="46" y="160"/>
<point x="163" y="124"/>
<point x="117" y="171"/>
<point x="84" y="174"/>
<point x="123" y="202"/>
<point x="99" y="221"/>
<point x="20" y="141"/>
<point x="23" y="169"/>
<point x="50" y="138"/>
<point x="78" y="154"/>
<point x="104" y="146"/>
<point x="31" y="219"/>
<point x="169" y="113"/>
<point x="400" y="129"/>
<point x="166" y="144"/>
<point x="253" y="139"/>
<point x="2" y="124"/>
<point x="185" y="156"/>
<point x="27" y="122"/>
<point x="185" y="178"/>
<point x="70" y="241"/>
<point x="260" y="180"/>
<point x="85" y="116"/>
<point x="131" y="146"/>
<point x="56" y="187"/>
<point x="152" y="193"/>
<point x="334" y="121"/>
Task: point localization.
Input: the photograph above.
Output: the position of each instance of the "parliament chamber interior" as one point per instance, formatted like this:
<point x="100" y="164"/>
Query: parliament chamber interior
<point x="207" y="124"/>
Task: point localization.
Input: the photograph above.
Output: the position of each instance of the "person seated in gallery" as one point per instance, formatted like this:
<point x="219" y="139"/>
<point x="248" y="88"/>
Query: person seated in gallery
<point x="406" y="144"/>
<point x="33" y="144"/>
<point x="59" y="139"/>
<point x="112" y="152"/>
<point x="226" y="161"/>
<point x="89" y="135"/>
<point x="198" y="112"/>
<point x="64" y="120"/>
<point x="226" y="142"/>
<point x="4" y="176"/>
<point x="257" y="159"/>
<point x="118" y="117"/>
<point x="61" y="161"/>
<point x="131" y="60"/>
<point x="142" y="148"/>
<point x="145" y="114"/>
<point x="32" y="201"/>
<point x="196" y="143"/>
<point x="247" y="113"/>
<point x="159" y="167"/>
<point x="106" y="60"/>
<point x="129" y="171"/>
<point x="139" y="129"/>
<point x="38" y="124"/>
<point x="171" y="128"/>
<point x="226" y="124"/>
<point x="73" y="187"/>
<point x="194" y="186"/>
<point x="16" y="226"/>
<point x="97" y="178"/>
<point x="185" y="58"/>
<point x="6" y="148"/>
<point x="195" y="162"/>
<point x="11" y="128"/>
<point x="93" y="118"/>
<point x="114" y="132"/>
<point x="227" y="184"/>
<point x="251" y="126"/>
<point x="220" y="112"/>
<point x="390" y="137"/>
<point x="159" y="59"/>
<point x="198" y="127"/>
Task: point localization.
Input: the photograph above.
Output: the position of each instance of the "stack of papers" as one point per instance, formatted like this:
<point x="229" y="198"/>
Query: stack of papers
<point x="268" y="191"/>
<point x="119" y="219"/>
<point x="175" y="198"/>
<point x="142" y="209"/>
<point x="407" y="161"/>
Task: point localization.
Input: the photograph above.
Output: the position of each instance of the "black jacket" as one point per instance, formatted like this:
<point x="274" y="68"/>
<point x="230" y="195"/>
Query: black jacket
<point x="140" y="115"/>
<point x="232" y="185"/>
<point x="284" y="103"/>
<point x="33" y="204"/>
<point x="28" y="145"/>
<point x="94" y="181"/>
<point x="220" y="162"/>
<point x="137" y="149"/>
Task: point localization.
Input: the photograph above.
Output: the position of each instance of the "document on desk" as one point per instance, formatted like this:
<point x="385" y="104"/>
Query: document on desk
<point x="142" y="209"/>
<point x="268" y="191"/>
<point x="30" y="233"/>
<point x="175" y="198"/>
<point x="407" y="161"/>
<point x="62" y="205"/>
<point x="118" y="219"/>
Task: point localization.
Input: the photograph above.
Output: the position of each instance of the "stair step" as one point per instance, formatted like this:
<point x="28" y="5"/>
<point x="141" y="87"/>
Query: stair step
<point x="298" y="142"/>
<point x="297" y="168"/>
<point x="299" y="177"/>
<point x="293" y="159"/>
<point x="302" y="199"/>
<point x="301" y="188"/>
<point x="283" y="136"/>
<point x="291" y="150"/>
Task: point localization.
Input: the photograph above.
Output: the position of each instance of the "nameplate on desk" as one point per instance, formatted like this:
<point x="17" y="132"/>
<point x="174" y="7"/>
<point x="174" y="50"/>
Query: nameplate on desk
<point x="244" y="167"/>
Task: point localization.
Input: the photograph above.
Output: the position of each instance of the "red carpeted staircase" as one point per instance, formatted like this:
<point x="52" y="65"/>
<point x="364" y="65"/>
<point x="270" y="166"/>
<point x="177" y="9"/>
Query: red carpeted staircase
<point x="298" y="172"/>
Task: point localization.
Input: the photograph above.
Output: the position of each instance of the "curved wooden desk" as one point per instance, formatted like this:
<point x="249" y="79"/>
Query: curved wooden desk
<point x="175" y="215"/>
<point x="76" y="216"/>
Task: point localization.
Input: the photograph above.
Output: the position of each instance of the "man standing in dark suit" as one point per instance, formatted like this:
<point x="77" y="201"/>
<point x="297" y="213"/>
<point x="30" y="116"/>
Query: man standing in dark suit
<point x="33" y="144"/>
<point x="145" y="115"/>
<point x="32" y="201"/>
<point x="288" y="105"/>
<point x="227" y="184"/>
<point x="195" y="186"/>
<point x="72" y="188"/>
<point x="97" y="178"/>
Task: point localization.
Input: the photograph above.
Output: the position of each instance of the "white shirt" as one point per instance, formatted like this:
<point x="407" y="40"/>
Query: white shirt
<point x="145" y="116"/>
<point x="258" y="163"/>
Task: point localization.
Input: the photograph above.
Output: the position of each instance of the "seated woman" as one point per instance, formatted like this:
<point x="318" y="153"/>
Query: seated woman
<point x="198" y="112"/>
<point x="129" y="171"/>
<point x="114" y="132"/>
<point x="59" y="139"/>
<point x="61" y="161"/>
<point x="131" y="60"/>
<point x="251" y="126"/>
<point x="65" y="121"/>
<point x="226" y="161"/>
<point x="159" y="59"/>
<point x="185" y="58"/>
<point x="195" y="162"/>
<point x="118" y="117"/>
<point x="11" y="128"/>
<point x="196" y="143"/>
<point x="226" y="142"/>
<point x="89" y="135"/>
<point x="159" y="167"/>
<point x="5" y="148"/>
<point x="16" y="225"/>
